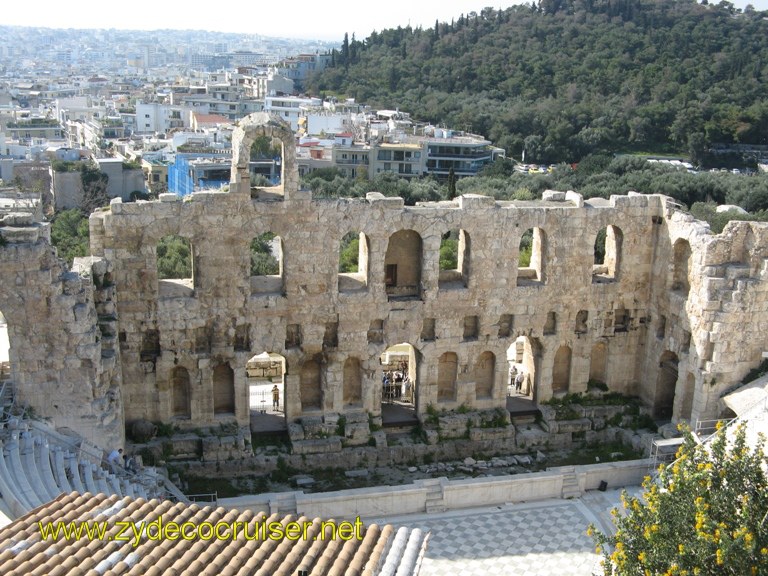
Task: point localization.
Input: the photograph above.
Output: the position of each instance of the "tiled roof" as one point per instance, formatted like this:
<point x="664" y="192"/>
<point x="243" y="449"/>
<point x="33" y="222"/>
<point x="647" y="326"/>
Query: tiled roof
<point x="211" y="119"/>
<point x="23" y="551"/>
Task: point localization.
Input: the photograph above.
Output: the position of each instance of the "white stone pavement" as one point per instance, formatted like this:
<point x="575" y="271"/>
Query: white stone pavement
<point x="523" y="539"/>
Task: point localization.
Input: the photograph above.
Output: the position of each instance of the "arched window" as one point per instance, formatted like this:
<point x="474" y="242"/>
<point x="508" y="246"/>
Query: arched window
<point x="266" y="264"/>
<point x="454" y="259"/>
<point x="353" y="262"/>
<point x="532" y="256"/>
<point x="175" y="269"/>
<point x="266" y="160"/>
<point x="607" y="254"/>
<point x="402" y="265"/>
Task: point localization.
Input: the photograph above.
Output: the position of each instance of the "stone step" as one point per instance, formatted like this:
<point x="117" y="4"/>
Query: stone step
<point x="570" y="487"/>
<point x="523" y="420"/>
<point x="435" y="508"/>
<point x="286" y="503"/>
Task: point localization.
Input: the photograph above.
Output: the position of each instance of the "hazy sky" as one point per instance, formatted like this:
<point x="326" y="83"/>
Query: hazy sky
<point x="295" y="19"/>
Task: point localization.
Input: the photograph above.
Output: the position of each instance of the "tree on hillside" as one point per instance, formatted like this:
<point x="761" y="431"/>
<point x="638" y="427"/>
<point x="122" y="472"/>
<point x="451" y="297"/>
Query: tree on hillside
<point x="94" y="188"/>
<point x="705" y="514"/>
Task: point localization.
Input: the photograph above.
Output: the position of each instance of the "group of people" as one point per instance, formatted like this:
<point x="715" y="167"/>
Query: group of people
<point x="517" y="378"/>
<point x="396" y="384"/>
<point x="116" y="459"/>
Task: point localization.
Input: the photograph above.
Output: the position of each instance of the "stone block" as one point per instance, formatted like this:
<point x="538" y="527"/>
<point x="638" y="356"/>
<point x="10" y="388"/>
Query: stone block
<point x="580" y="425"/>
<point x="553" y="196"/>
<point x="317" y="446"/>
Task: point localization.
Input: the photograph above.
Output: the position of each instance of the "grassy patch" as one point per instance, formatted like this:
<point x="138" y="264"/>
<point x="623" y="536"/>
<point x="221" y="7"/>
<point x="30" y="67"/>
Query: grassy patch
<point x="594" y="454"/>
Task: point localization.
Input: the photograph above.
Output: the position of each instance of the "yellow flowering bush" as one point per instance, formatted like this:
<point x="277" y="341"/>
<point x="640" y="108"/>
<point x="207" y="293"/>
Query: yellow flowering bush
<point x="704" y="515"/>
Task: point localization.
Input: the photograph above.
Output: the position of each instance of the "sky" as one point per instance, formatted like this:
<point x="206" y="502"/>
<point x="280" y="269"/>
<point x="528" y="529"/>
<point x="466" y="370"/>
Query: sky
<point x="308" y="19"/>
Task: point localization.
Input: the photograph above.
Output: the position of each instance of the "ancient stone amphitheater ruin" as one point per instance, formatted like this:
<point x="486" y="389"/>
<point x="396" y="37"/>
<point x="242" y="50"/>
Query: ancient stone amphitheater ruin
<point x="674" y="314"/>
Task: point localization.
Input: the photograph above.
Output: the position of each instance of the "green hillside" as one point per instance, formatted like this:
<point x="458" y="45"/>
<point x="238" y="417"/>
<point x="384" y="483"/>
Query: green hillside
<point x="565" y="78"/>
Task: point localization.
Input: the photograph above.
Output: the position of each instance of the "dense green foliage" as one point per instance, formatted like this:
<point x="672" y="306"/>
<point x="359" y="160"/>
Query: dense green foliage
<point x="349" y="252"/>
<point x="563" y="78"/>
<point x="449" y="251"/>
<point x="526" y="249"/>
<point x="174" y="258"/>
<point x="263" y="148"/>
<point x="263" y="263"/>
<point x="704" y="515"/>
<point x="70" y="234"/>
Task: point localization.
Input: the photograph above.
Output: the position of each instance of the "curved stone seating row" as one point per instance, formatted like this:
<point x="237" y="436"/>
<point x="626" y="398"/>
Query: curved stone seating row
<point x="33" y="473"/>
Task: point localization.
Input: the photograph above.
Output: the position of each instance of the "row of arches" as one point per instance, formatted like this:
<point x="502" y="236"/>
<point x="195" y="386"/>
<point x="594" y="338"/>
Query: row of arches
<point x="403" y="261"/>
<point x="525" y="352"/>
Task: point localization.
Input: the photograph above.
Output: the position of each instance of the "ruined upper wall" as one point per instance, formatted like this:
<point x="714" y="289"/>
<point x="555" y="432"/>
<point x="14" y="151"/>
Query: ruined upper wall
<point x="60" y="365"/>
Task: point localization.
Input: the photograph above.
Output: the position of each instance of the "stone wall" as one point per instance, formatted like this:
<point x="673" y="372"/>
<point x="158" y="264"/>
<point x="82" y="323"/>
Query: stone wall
<point x="63" y="363"/>
<point x="673" y="314"/>
<point x="220" y="227"/>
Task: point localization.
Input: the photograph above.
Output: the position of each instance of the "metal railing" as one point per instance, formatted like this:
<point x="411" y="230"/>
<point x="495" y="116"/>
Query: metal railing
<point x="211" y="497"/>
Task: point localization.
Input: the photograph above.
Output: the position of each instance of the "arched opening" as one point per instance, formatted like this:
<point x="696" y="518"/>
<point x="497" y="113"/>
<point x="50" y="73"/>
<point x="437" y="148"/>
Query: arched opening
<point x="532" y="255"/>
<point x="681" y="266"/>
<point x="181" y="400"/>
<point x="561" y="371"/>
<point x="353" y="262"/>
<point x="266" y="253"/>
<point x="485" y="371"/>
<point x="175" y="269"/>
<point x="666" y="383"/>
<point x="607" y="253"/>
<point x="598" y="360"/>
<point x="402" y="265"/>
<point x="454" y="259"/>
<point x="223" y="390"/>
<point x="523" y="357"/>
<point x="311" y="383"/>
<point x="265" y="376"/>
<point x="352" y="383"/>
<point x="265" y="162"/>
<point x="272" y="137"/>
<point x="399" y="393"/>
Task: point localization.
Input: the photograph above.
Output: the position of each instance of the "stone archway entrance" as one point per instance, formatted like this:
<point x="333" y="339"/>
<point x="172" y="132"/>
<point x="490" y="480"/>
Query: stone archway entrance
<point x="523" y="359"/>
<point x="265" y="372"/>
<point x="399" y="386"/>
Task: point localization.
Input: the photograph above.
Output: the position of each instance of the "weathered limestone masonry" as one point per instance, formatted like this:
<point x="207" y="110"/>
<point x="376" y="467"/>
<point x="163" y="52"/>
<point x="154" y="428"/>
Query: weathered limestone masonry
<point x="673" y="314"/>
<point x="63" y="362"/>
<point x="602" y="321"/>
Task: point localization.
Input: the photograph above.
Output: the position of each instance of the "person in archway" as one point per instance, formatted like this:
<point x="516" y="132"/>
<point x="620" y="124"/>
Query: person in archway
<point x="275" y="397"/>
<point x="519" y="381"/>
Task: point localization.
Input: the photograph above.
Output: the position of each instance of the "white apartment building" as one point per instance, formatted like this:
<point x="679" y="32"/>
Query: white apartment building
<point x="290" y="108"/>
<point x="156" y="118"/>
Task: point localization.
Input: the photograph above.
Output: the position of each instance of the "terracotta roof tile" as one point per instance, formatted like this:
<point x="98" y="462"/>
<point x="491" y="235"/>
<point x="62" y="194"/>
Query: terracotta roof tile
<point x="23" y="550"/>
